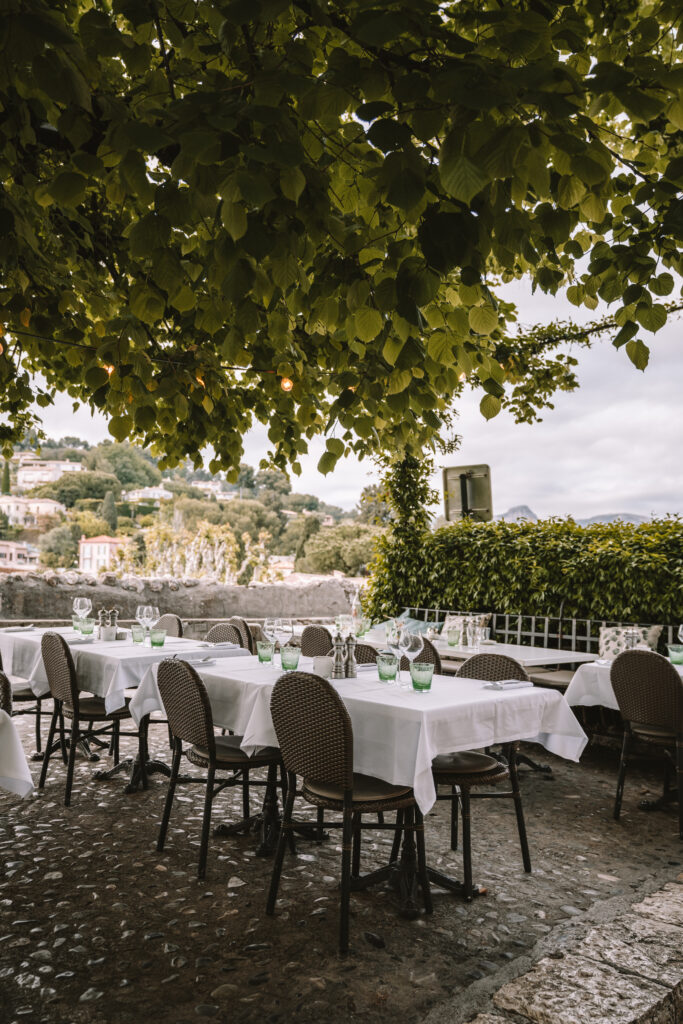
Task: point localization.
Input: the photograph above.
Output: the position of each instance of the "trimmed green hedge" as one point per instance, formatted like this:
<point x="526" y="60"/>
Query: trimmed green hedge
<point x="614" y="571"/>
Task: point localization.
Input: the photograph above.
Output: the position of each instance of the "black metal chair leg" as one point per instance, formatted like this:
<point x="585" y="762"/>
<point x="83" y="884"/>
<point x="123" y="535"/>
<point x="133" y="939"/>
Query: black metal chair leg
<point x="422" y="860"/>
<point x="679" y="783"/>
<point x="245" y="794"/>
<point x="396" y="845"/>
<point x="166" y="817"/>
<point x="521" y="825"/>
<point x="347" y="839"/>
<point x="116" y="731"/>
<point x="355" y="859"/>
<point x="206" y="823"/>
<point x="320" y="829"/>
<point x="62" y="736"/>
<point x="38" y="717"/>
<point x="73" y="742"/>
<point x="455" y="811"/>
<point x="466" y="843"/>
<point x="285" y="827"/>
<point x="48" y="749"/>
<point x="622" y="774"/>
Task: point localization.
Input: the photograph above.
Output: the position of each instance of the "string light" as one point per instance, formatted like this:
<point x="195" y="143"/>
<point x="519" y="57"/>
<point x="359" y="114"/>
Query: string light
<point x="286" y="384"/>
<point x="109" y="368"/>
<point x="462" y="378"/>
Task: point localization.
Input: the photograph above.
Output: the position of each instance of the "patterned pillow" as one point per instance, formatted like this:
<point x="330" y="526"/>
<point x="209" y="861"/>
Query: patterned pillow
<point x="612" y="640"/>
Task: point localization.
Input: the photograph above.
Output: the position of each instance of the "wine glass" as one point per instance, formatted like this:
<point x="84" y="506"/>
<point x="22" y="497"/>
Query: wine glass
<point x="680" y="634"/>
<point x="393" y="634"/>
<point x="81" y="607"/>
<point x="346" y="625"/>
<point x="410" y="643"/>
<point x="268" y="629"/>
<point x="284" y="631"/>
<point x="155" y="614"/>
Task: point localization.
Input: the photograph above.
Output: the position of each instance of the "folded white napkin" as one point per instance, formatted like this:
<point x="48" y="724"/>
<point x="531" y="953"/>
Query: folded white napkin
<point x="508" y="684"/>
<point x="71" y="640"/>
<point x="222" y="643"/>
<point x="17" y="629"/>
<point x="198" y="659"/>
<point x="488" y="643"/>
<point x="369" y="667"/>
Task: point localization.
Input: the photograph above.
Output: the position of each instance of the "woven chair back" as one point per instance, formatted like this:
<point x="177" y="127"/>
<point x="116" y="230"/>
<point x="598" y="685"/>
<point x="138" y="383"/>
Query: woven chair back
<point x="224" y="633"/>
<point x="649" y="690"/>
<point x="5" y="694"/>
<point x="59" y="668"/>
<point x="246" y="638"/>
<point x="313" y="729"/>
<point x="171" y="623"/>
<point x="427" y="656"/>
<point x="187" y="705"/>
<point x="494" y="668"/>
<point x="316" y="641"/>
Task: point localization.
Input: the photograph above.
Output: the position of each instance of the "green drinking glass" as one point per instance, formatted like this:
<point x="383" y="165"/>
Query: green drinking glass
<point x="264" y="649"/>
<point x="676" y="654"/>
<point x="290" y="657"/>
<point x="157" y="637"/>
<point x="138" y="634"/>
<point x="387" y="667"/>
<point x="87" y="627"/>
<point x="421" y="675"/>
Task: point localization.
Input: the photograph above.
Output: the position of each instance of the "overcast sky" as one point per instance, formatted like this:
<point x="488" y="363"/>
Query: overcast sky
<point x="614" y="445"/>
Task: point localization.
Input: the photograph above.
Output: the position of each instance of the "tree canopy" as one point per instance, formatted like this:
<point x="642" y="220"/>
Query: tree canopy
<point x="130" y="465"/>
<point x="298" y="213"/>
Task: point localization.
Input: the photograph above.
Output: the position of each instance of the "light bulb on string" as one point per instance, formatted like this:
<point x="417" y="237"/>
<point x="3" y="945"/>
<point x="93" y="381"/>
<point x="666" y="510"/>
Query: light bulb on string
<point x="109" y="368"/>
<point x="286" y="384"/>
<point x="462" y="378"/>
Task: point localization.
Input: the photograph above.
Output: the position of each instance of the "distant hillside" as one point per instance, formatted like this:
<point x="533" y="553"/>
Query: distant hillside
<point x="524" y="512"/>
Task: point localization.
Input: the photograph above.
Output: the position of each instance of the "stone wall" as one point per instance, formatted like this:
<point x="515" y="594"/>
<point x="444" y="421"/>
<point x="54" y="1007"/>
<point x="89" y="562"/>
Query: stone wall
<point x="50" y="595"/>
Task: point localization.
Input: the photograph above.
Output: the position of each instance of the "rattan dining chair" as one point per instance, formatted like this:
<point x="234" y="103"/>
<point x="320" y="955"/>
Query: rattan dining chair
<point x="224" y="633"/>
<point x="188" y="710"/>
<point x="246" y="636"/>
<point x="5" y="694"/>
<point x="69" y="703"/>
<point x="427" y="656"/>
<point x="316" y="741"/>
<point x="464" y="771"/>
<point x="316" y="642"/>
<point x="25" y="702"/>
<point x="649" y="693"/>
<point x="171" y="623"/>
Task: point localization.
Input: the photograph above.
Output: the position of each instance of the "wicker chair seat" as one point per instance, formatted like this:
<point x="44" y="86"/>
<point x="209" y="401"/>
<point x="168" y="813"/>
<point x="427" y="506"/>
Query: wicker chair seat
<point x="92" y="709"/>
<point x="468" y="768"/>
<point x="229" y="754"/>
<point x="369" y="794"/>
<point x="24" y="693"/>
<point x="653" y="733"/>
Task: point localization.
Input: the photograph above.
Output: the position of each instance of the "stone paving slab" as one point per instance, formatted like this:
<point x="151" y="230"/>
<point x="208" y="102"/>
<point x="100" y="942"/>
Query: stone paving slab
<point x="666" y="905"/>
<point x="641" y="945"/>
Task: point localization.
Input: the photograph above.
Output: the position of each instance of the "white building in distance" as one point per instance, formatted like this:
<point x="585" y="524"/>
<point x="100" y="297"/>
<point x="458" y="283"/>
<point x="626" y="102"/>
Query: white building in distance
<point x="34" y="472"/>
<point x="147" y="495"/>
<point x="97" y="554"/>
<point x="28" y="511"/>
<point x="16" y="556"/>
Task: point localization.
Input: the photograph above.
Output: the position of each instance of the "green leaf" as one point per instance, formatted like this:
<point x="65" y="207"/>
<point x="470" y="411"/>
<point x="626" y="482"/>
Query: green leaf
<point x="662" y="285"/>
<point x="368" y="323"/>
<point x="120" y="427"/>
<point x="489" y="406"/>
<point x="459" y="176"/>
<point x="96" y="376"/>
<point x="440" y="348"/>
<point x="392" y="349"/>
<point x="483" y="319"/>
<point x="68" y="188"/>
<point x="334" y="445"/>
<point x="326" y="463"/>
<point x="652" y="318"/>
<point x="234" y="218"/>
<point x="570" y="191"/>
<point x="638" y="353"/>
<point x="292" y="183"/>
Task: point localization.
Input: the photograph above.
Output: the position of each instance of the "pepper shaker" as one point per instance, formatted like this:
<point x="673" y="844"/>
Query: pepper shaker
<point x="351" y="667"/>
<point x="338" y="668"/>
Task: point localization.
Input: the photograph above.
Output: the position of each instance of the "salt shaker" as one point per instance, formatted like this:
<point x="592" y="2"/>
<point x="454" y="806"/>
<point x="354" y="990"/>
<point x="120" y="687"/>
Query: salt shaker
<point x="351" y="667"/>
<point x="339" y="668"/>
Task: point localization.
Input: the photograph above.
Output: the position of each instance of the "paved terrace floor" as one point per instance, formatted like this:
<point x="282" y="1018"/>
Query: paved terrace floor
<point x="96" y="927"/>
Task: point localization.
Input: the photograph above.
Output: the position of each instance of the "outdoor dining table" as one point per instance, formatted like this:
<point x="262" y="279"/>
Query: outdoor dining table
<point x="527" y="656"/>
<point x="106" y="668"/>
<point x="15" y="774"/>
<point x="396" y="732"/>
<point x="591" y="686"/>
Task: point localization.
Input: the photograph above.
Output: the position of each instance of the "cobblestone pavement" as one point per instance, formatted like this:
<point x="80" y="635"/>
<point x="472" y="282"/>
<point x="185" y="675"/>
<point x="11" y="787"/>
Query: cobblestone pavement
<point x="97" y="927"/>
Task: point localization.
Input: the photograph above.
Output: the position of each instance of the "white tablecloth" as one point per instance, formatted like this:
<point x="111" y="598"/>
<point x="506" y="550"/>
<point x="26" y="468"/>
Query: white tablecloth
<point x="15" y="775"/>
<point x="397" y="733"/>
<point x="529" y="657"/>
<point x="591" y="686"/>
<point x="105" y="668"/>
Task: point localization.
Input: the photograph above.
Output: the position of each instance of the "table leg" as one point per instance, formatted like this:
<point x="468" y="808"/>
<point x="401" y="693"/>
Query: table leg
<point x="138" y="767"/>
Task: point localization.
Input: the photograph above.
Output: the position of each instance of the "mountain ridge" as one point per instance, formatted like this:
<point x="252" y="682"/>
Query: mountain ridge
<point x="524" y="512"/>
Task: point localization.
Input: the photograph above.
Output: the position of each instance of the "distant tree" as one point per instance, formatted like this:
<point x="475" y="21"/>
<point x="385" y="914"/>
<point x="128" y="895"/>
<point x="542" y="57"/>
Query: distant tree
<point x="58" y="548"/>
<point x="373" y="506"/>
<point x="245" y="515"/>
<point x="74" y="442"/>
<point x="74" y="486"/>
<point x="293" y="538"/>
<point x="246" y="478"/>
<point x="299" y="502"/>
<point x="86" y="523"/>
<point x="5" y="478"/>
<point x="108" y="511"/>
<point x="132" y="466"/>
<point x="4" y="526"/>
<point x="183" y="489"/>
<point x="347" y="548"/>
<point x="272" y="480"/>
<point x="126" y="527"/>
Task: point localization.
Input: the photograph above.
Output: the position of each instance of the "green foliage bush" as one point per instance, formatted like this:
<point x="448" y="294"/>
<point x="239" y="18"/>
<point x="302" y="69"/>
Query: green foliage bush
<point x="615" y="571"/>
